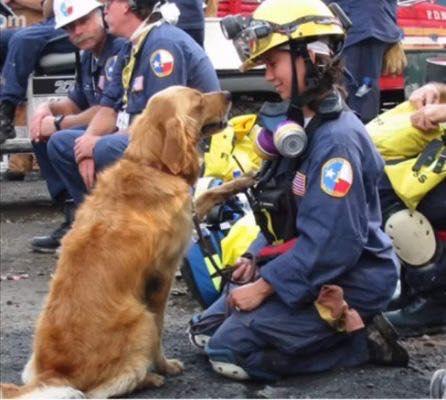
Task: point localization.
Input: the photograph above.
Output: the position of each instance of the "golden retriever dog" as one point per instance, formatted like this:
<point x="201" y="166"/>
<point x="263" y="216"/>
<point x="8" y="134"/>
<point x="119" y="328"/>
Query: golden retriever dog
<point x="100" y="331"/>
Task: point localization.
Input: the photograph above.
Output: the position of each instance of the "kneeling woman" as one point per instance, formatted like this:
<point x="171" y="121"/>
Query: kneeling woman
<point x="318" y="304"/>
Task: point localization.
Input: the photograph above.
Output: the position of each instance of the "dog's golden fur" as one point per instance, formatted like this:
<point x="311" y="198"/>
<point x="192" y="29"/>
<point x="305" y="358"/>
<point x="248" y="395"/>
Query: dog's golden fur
<point x="100" y="331"/>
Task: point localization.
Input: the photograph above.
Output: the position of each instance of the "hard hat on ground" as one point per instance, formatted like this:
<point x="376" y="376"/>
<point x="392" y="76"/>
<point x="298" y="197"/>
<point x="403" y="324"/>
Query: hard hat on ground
<point x="413" y="237"/>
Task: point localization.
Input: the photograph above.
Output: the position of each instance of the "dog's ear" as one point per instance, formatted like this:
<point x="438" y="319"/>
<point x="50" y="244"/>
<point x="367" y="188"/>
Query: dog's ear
<point x="175" y="145"/>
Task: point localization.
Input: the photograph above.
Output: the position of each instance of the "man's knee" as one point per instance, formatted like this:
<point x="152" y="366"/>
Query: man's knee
<point x="61" y="144"/>
<point x="108" y="150"/>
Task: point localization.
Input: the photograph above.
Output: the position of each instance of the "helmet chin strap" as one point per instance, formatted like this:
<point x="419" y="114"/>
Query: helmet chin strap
<point x="312" y="76"/>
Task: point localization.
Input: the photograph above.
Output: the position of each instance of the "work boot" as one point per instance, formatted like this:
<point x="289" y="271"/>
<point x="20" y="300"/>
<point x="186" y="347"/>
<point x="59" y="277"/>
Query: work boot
<point x="421" y="316"/>
<point x="7" y="114"/>
<point x="51" y="242"/>
<point x="438" y="385"/>
<point x="384" y="348"/>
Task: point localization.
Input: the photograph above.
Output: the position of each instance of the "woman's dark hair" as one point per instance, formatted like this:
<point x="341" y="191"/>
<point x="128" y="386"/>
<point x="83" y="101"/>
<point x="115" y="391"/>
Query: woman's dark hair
<point x="330" y="76"/>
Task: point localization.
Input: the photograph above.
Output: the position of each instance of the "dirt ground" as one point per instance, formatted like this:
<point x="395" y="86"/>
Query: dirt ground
<point x="25" y="212"/>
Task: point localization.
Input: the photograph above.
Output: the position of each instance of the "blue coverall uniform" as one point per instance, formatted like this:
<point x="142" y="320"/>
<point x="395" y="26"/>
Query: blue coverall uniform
<point x="374" y="30"/>
<point x="340" y="242"/>
<point x="168" y="57"/>
<point x="191" y="18"/>
<point x="93" y="78"/>
<point x="25" y="47"/>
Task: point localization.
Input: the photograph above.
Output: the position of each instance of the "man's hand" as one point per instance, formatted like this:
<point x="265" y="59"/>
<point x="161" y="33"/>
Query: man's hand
<point x="47" y="127"/>
<point x="248" y="297"/>
<point x="428" y="117"/>
<point x="36" y="121"/>
<point x="427" y="94"/>
<point x="84" y="146"/>
<point x="246" y="270"/>
<point x="86" y="169"/>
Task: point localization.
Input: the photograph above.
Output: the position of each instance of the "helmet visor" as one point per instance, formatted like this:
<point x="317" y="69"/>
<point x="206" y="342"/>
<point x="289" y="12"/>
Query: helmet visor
<point x="257" y="36"/>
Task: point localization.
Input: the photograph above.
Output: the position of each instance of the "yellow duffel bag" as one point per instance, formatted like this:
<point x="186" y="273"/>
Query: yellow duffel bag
<point x="412" y="179"/>
<point x="395" y="137"/>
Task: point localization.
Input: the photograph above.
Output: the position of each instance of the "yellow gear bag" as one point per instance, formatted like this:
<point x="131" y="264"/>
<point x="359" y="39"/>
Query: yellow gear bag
<point x="410" y="183"/>
<point x="232" y="142"/>
<point x="238" y="240"/>
<point x="395" y="137"/>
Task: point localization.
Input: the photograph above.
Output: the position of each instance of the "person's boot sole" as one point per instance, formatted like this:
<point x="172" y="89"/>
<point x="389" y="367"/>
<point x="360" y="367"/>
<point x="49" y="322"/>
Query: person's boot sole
<point x="43" y="250"/>
<point x="407" y="332"/>
<point x="437" y="388"/>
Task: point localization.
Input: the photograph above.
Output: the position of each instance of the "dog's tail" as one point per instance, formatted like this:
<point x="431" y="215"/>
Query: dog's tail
<point x="54" y="389"/>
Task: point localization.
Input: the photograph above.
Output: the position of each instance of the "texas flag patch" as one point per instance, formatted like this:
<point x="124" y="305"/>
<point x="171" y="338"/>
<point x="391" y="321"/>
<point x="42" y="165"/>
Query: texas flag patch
<point x="162" y="63"/>
<point x="336" y="177"/>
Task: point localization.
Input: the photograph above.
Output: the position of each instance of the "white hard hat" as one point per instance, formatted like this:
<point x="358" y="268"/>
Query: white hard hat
<point x="67" y="11"/>
<point x="413" y="237"/>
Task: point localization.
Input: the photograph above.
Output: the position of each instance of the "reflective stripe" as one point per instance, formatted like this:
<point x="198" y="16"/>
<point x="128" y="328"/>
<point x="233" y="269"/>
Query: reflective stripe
<point x="216" y="277"/>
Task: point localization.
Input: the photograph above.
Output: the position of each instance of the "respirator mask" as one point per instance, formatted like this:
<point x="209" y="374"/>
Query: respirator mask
<point x="278" y="135"/>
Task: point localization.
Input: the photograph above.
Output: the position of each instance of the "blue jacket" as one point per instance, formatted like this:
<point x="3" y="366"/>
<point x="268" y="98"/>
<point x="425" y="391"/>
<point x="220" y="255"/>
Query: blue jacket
<point x="338" y="221"/>
<point x="168" y="57"/>
<point x="191" y="14"/>
<point x="95" y="75"/>
<point x="371" y="19"/>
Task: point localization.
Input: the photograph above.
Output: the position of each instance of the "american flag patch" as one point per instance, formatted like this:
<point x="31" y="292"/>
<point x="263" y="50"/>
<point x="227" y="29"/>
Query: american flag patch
<point x="298" y="186"/>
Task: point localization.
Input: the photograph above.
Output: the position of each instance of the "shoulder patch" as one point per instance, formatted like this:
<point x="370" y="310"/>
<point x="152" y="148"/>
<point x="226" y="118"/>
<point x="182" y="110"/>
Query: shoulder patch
<point x="109" y="65"/>
<point x="336" y="177"/>
<point x="162" y="63"/>
<point x="299" y="183"/>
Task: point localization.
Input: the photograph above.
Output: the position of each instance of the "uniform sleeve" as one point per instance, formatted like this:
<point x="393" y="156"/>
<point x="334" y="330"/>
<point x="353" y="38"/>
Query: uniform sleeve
<point x="112" y="95"/>
<point x="167" y="67"/>
<point x="203" y="76"/>
<point x="77" y="95"/>
<point x="332" y="227"/>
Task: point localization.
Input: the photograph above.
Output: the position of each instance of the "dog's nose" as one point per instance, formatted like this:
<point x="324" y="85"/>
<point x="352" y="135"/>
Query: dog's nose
<point x="228" y="95"/>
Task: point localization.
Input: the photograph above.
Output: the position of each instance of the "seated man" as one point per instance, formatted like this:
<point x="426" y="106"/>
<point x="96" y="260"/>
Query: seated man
<point x="85" y="28"/>
<point x="159" y="55"/>
<point x="25" y="47"/>
<point x="423" y="298"/>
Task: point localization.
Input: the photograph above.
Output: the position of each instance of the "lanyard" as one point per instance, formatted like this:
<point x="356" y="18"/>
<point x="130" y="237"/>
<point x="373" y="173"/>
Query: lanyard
<point x="129" y="69"/>
<point x="93" y="74"/>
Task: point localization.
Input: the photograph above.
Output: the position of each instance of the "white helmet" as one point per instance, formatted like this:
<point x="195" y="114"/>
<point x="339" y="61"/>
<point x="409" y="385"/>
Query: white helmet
<point x="67" y="11"/>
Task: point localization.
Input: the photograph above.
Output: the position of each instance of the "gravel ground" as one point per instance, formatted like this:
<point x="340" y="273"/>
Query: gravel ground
<point x="25" y="212"/>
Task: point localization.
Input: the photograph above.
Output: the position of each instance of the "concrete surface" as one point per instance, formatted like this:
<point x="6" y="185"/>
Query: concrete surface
<point x="26" y="211"/>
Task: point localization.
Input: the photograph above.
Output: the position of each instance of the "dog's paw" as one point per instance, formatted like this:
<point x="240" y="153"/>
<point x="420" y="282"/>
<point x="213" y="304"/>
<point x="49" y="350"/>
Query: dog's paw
<point x="172" y="366"/>
<point x="152" y="380"/>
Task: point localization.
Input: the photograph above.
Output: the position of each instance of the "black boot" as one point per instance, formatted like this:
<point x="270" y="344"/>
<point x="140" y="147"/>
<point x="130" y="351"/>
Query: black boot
<point x="424" y="315"/>
<point x="384" y="348"/>
<point x="51" y="242"/>
<point x="7" y="114"/>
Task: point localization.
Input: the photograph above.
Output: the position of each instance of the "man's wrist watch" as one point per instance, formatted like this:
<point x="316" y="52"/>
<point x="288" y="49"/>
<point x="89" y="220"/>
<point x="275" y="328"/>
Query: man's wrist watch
<point x="58" y="121"/>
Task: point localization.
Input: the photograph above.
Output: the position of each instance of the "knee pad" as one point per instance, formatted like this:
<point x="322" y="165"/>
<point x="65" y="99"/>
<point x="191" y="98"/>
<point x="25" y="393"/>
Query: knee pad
<point x="413" y="237"/>
<point x="231" y="365"/>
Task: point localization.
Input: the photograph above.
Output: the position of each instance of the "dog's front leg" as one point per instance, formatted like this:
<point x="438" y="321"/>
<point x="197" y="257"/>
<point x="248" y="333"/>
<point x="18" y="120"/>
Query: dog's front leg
<point x="157" y="293"/>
